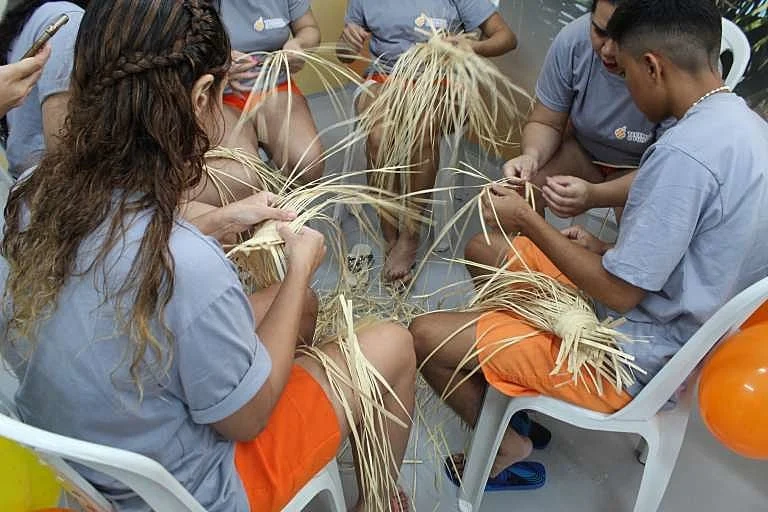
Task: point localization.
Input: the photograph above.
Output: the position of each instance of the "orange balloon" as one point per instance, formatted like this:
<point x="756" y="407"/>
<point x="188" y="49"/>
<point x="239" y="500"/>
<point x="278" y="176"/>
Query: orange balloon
<point x="758" y="317"/>
<point x="733" y="392"/>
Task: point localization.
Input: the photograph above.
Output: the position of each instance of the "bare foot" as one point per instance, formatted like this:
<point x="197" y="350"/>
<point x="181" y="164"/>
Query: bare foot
<point x="514" y="448"/>
<point x="397" y="503"/>
<point x="400" y="259"/>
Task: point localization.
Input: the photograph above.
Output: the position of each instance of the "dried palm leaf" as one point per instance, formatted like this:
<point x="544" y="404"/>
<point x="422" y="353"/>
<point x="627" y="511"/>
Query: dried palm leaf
<point x="261" y="175"/>
<point x="378" y="469"/>
<point x="437" y="88"/>
<point x="264" y="255"/>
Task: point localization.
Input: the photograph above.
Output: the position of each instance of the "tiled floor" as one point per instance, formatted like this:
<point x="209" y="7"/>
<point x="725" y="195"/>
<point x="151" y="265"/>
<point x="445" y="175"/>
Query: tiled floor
<point x="587" y="471"/>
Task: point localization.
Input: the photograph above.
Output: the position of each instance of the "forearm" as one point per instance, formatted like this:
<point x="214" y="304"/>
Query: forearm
<point x="611" y="193"/>
<point x="499" y="43"/>
<point x="308" y="37"/>
<point x="279" y="330"/>
<point x="540" y="142"/>
<point x="583" y="267"/>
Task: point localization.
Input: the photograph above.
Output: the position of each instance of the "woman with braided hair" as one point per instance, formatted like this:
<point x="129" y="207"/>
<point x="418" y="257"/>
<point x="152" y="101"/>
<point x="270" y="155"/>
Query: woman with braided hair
<point x="126" y="325"/>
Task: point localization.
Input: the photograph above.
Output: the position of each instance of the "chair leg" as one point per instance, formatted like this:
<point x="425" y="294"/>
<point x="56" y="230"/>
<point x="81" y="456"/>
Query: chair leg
<point x="664" y="443"/>
<point x="486" y="440"/>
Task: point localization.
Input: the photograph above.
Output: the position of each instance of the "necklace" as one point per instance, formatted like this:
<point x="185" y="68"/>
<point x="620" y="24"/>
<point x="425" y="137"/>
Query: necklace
<point x="723" y="88"/>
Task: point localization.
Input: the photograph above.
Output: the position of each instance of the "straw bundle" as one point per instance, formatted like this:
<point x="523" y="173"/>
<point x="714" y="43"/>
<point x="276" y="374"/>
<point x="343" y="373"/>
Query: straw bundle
<point x="263" y="254"/>
<point x="378" y="471"/>
<point x="255" y="174"/>
<point x="589" y="348"/>
<point x="437" y="88"/>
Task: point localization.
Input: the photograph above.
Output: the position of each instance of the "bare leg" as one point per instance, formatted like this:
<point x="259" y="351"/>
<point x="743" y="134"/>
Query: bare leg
<point x="493" y="255"/>
<point x="291" y="140"/>
<point x="429" y="332"/>
<point x="389" y="348"/>
<point x="390" y="230"/>
<point x="422" y="177"/>
<point x="262" y="300"/>
<point x="242" y="182"/>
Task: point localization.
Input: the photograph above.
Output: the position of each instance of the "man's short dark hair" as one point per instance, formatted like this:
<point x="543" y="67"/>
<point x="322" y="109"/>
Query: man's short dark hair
<point x="687" y="32"/>
<point x="595" y="2"/>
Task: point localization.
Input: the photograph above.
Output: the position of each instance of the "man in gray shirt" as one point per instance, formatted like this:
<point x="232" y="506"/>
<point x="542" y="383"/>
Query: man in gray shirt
<point x="695" y="228"/>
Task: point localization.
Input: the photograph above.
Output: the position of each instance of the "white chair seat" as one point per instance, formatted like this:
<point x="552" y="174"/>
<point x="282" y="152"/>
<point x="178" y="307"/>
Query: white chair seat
<point x="662" y="428"/>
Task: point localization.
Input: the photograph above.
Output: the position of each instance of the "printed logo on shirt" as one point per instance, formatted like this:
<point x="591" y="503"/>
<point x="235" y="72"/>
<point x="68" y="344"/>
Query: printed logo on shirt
<point x="631" y="136"/>
<point x="424" y="21"/>
<point x="262" y="24"/>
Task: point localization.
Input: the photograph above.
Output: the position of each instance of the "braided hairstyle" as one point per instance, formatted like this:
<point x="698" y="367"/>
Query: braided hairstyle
<point x="132" y="144"/>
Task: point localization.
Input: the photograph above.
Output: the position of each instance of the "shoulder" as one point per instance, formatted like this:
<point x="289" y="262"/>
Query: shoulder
<point x="48" y="12"/>
<point x="575" y="34"/>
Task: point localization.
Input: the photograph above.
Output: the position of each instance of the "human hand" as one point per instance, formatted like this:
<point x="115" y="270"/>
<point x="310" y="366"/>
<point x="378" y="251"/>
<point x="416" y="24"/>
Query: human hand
<point x="295" y="62"/>
<point x="304" y="250"/>
<point x="18" y="79"/>
<point x="242" y="70"/>
<point x="567" y="196"/>
<point x="255" y="209"/>
<point x="354" y="36"/>
<point x="524" y="168"/>
<point x="583" y="238"/>
<point x="503" y="206"/>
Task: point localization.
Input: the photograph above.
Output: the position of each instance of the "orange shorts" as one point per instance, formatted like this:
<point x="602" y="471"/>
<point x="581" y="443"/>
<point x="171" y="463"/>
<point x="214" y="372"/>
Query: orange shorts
<point x="301" y="438"/>
<point x="607" y="170"/>
<point x="523" y="369"/>
<point x="240" y="100"/>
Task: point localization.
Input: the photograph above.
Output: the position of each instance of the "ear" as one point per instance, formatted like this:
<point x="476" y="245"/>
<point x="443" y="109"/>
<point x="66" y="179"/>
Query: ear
<point x="201" y="94"/>
<point x="653" y="66"/>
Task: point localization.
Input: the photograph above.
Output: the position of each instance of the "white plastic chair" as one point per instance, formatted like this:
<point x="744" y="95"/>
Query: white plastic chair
<point x="662" y="429"/>
<point x="735" y="42"/>
<point x="156" y="486"/>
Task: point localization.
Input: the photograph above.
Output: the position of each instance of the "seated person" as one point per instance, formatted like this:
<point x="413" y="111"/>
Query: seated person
<point x="585" y="135"/>
<point x="34" y="126"/>
<point x="393" y="27"/>
<point x="694" y="232"/>
<point x="283" y="124"/>
<point x="129" y="327"/>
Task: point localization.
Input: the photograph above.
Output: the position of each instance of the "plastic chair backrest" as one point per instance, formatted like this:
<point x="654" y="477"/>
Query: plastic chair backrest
<point x="147" y="478"/>
<point x="724" y="322"/>
<point x="738" y="45"/>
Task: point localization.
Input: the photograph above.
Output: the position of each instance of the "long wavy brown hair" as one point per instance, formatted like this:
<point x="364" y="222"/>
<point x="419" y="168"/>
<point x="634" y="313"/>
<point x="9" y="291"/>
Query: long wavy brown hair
<point x="132" y="143"/>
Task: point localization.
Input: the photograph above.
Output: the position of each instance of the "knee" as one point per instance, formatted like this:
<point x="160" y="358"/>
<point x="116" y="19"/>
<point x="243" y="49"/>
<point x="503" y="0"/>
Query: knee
<point x="315" y="166"/>
<point x="400" y="344"/>
<point x="423" y="334"/>
<point x="475" y="248"/>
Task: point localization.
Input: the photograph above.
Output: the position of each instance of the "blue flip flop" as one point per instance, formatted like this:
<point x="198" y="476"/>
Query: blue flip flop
<point x="520" y="476"/>
<point x="539" y="435"/>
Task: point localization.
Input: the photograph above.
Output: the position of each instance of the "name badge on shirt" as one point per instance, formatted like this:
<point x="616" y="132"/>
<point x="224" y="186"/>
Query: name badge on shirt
<point x="262" y="24"/>
<point x="423" y="21"/>
<point x="623" y="133"/>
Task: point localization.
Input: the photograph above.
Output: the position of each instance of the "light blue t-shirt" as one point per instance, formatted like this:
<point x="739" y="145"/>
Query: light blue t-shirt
<point x="76" y="382"/>
<point x="261" y="26"/>
<point x="394" y="24"/>
<point x="26" y="142"/>
<point x="605" y="119"/>
<point x="694" y="232"/>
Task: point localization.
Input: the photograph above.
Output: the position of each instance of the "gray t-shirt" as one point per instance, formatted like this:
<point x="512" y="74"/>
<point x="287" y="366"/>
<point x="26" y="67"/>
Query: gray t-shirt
<point x="261" y="26"/>
<point x="606" y="121"/>
<point x="695" y="229"/>
<point x="394" y="24"/>
<point x="76" y="381"/>
<point x="26" y="142"/>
